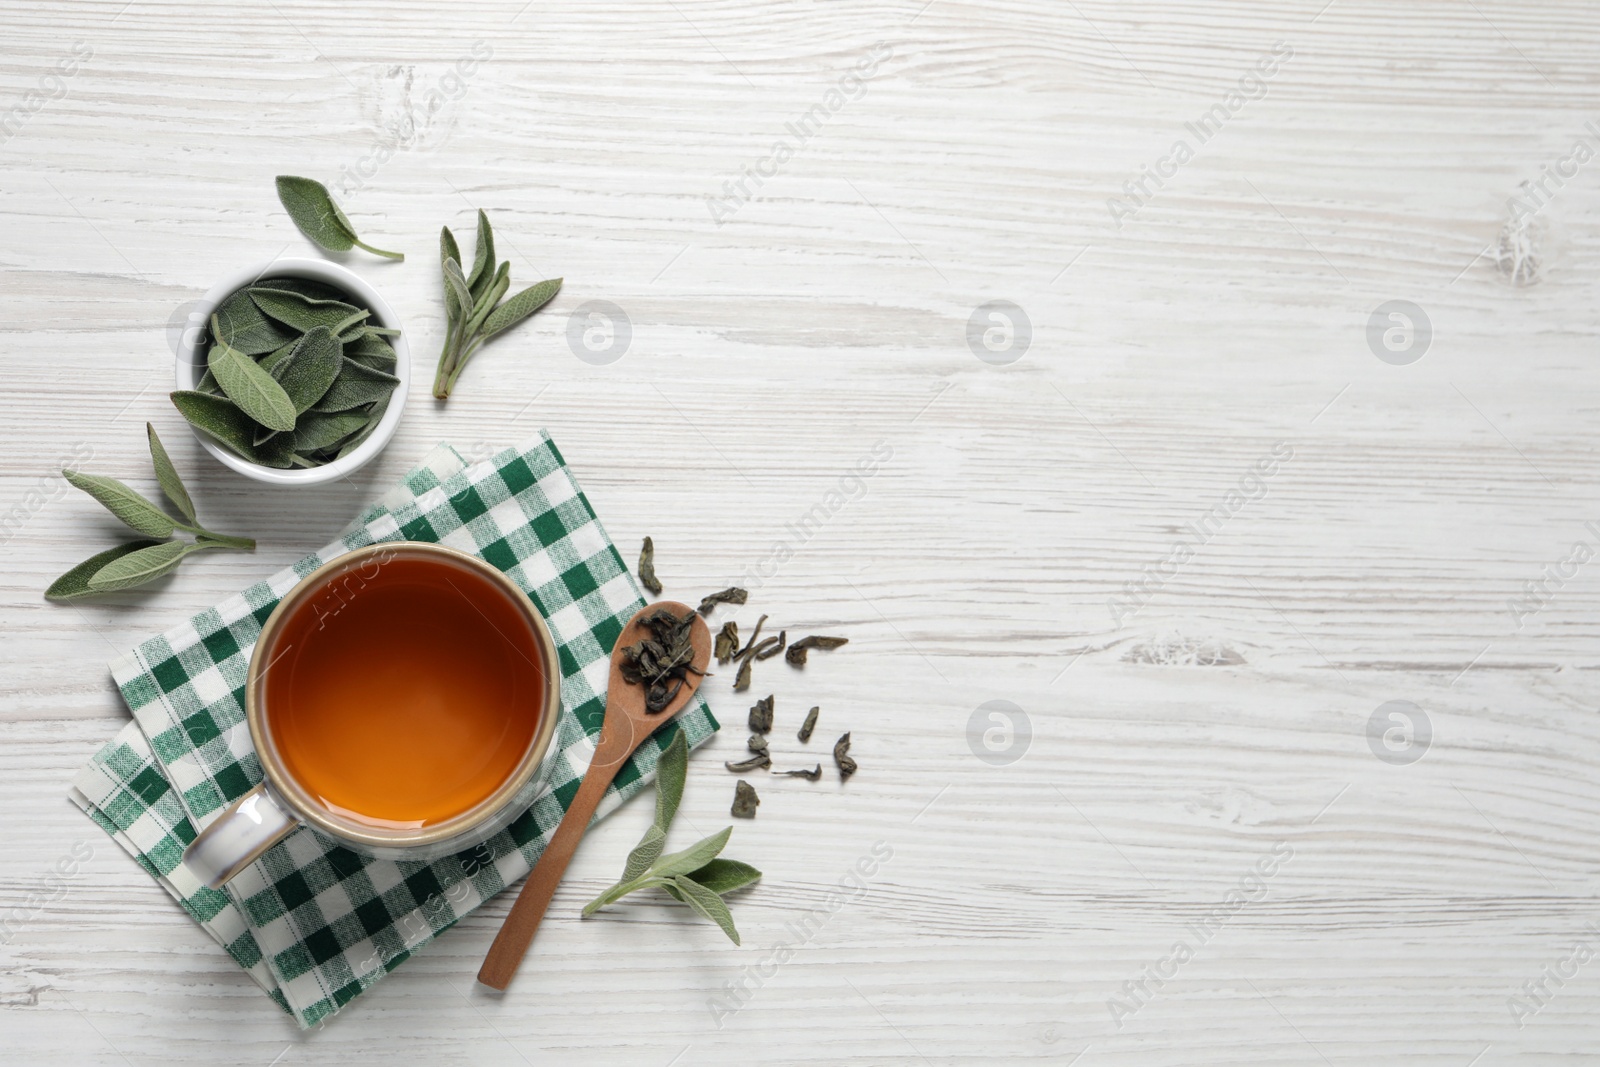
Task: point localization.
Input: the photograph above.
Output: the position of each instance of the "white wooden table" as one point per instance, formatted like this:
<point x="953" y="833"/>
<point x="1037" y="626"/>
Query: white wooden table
<point x="1207" y="759"/>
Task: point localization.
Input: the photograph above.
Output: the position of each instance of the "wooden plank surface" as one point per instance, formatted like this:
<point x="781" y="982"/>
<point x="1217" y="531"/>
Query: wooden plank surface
<point x="1192" y="724"/>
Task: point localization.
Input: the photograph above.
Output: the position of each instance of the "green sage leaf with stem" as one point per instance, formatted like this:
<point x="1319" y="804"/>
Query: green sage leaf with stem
<point x="311" y="369"/>
<point x="137" y="513"/>
<point x="74" y="584"/>
<point x="147" y="564"/>
<point x="707" y="903"/>
<point x="241" y="325"/>
<point x="254" y="390"/>
<point x="350" y="328"/>
<point x="486" y="303"/>
<point x="374" y="416"/>
<point x="692" y="858"/>
<point x="314" y="212"/>
<point x="672" y="771"/>
<point x="167" y="475"/>
<point x="723" y="876"/>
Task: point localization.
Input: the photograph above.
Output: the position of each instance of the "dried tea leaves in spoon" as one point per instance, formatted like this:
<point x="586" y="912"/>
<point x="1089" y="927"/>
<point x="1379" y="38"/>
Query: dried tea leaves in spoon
<point x="660" y="662"/>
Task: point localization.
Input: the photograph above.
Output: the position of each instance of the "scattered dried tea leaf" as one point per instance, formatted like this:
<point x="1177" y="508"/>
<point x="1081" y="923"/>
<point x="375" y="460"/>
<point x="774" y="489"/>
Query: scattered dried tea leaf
<point x="742" y="681"/>
<point x="841" y="756"/>
<point x="745" y="801"/>
<point x="757" y="743"/>
<point x="647" y="566"/>
<point x="761" y="716"/>
<point x="757" y="762"/>
<point x="809" y="725"/>
<point x="797" y="651"/>
<point x="731" y="595"/>
<point x="726" y="645"/>
<point x="773" y="645"/>
<point x="813" y="774"/>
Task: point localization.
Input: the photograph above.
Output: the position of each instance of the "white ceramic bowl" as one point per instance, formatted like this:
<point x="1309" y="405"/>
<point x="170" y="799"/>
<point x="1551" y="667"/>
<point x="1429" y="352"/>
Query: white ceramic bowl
<point x="192" y="365"/>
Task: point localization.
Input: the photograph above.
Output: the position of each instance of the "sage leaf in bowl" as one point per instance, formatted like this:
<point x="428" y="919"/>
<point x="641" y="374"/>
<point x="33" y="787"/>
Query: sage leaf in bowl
<point x="308" y="353"/>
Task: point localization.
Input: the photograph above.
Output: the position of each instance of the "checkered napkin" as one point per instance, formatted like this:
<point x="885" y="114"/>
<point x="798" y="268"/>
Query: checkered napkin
<point x="313" y="923"/>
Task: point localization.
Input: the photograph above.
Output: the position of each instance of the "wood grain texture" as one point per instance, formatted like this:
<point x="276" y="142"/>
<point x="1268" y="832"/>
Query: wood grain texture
<point x="1225" y="718"/>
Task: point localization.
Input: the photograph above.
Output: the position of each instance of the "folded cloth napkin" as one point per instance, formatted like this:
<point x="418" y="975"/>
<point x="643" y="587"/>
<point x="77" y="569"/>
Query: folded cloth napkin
<point x="314" y="923"/>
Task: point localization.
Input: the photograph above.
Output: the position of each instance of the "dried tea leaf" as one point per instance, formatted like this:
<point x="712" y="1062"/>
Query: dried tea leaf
<point x="314" y="213"/>
<point x="143" y="565"/>
<point x="666" y="656"/>
<point x="137" y="513"/>
<point x="254" y="390"/>
<point x="841" y="756"/>
<point x="756" y="762"/>
<point x="813" y="774"/>
<point x="796" y="656"/>
<point x="309" y="371"/>
<point x="741" y="682"/>
<point x="241" y="325"/>
<point x="647" y="568"/>
<point x="745" y="801"/>
<point x="75" y="583"/>
<point x="355" y="386"/>
<point x="761" y="716"/>
<point x="167" y="475"/>
<point x="520" y="306"/>
<point x="809" y="725"/>
<point x="301" y="312"/>
<point x="757" y="743"/>
<point x="772" y="645"/>
<point x="217" y="417"/>
<point x="731" y="595"/>
<point x="727" y="641"/>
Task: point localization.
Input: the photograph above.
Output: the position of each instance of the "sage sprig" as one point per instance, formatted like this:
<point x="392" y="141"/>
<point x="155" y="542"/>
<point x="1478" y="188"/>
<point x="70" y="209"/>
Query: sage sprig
<point x="696" y="876"/>
<point x="474" y="311"/>
<point x="138" y="562"/>
<point x="313" y="211"/>
<point x="286" y="354"/>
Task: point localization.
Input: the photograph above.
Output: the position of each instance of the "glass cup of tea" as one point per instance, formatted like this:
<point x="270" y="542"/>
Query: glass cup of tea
<point x="403" y="701"/>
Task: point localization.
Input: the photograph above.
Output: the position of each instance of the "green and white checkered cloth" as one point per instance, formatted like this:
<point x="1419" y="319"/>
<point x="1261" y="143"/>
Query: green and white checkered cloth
<point x="314" y="923"/>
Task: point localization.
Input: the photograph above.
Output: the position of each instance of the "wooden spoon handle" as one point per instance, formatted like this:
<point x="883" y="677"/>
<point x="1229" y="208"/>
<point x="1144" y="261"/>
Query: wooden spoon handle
<point x="511" y="944"/>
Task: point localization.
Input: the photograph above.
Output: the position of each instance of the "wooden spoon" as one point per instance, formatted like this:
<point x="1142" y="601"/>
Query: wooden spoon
<point x="626" y="726"/>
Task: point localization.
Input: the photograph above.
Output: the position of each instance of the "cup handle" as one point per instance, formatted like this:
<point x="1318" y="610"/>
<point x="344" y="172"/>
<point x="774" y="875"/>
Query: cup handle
<point x="238" y="837"/>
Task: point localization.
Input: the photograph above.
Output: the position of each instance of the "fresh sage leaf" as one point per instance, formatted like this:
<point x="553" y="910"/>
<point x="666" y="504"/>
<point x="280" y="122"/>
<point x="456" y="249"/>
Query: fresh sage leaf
<point x="254" y="390"/>
<point x="241" y="325"/>
<point x="724" y="876"/>
<point x="306" y="287"/>
<point x="315" y="432"/>
<point x="520" y="306"/>
<point x="350" y="328"/>
<point x="310" y="369"/>
<point x="692" y="858"/>
<point x="208" y="384"/>
<point x="75" y="583"/>
<point x="141" y="566"/>
<point x="671" y="772"/>
<point x="275" y="451"/>
<point x="482" y="257"/>
<point x="263" y="435"/>
<point x="167" y="475"/>
<point x="381" y="331"/>
<point x="491" y="296"/>
<point x="355" y="386"/>
<point x="313" y="211"/>
<point x="707" y="903"/>
<point x="218" y="417"/>
<point x="374" y="416"/>
<point x="301" y="312"/>
<point x="457" y="284"/>
<point x="372" y="352"/>
<point x="270" y="361"/>
<point x="137" y="513"/>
